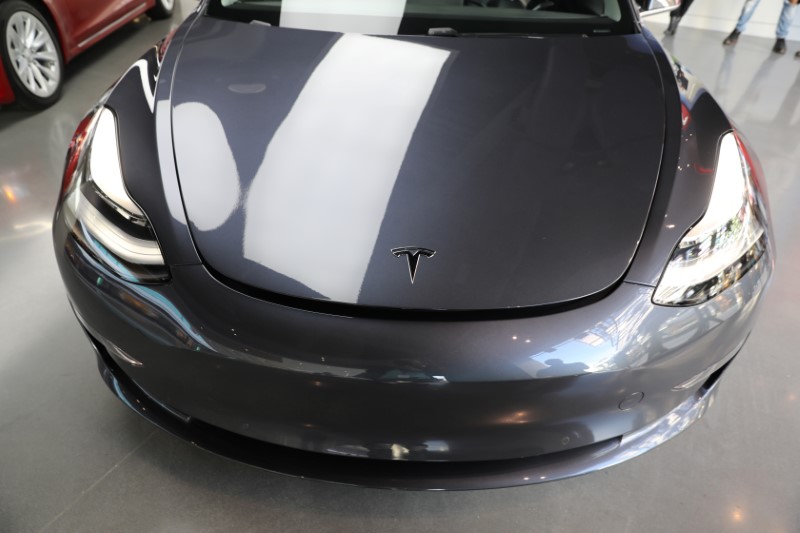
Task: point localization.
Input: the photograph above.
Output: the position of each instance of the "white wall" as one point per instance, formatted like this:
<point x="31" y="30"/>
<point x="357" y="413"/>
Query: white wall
<point x="721" y="15"/>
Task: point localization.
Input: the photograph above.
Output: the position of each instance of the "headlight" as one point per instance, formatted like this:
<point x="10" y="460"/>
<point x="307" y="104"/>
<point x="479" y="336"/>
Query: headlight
<point x="726" y="242"/>
<point x="98" y="210"/>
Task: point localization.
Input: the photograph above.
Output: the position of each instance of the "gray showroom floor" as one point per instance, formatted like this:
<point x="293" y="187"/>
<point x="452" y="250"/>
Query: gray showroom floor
<point x="73" y="458"/>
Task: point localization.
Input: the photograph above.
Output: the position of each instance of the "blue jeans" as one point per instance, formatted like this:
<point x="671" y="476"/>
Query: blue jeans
<point x="784" y="22"/>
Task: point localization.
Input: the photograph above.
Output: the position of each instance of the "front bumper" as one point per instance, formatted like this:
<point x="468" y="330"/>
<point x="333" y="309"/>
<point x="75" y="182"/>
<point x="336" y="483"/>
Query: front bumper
<point x="406" y="475"/>
<point x="455" y="404"/>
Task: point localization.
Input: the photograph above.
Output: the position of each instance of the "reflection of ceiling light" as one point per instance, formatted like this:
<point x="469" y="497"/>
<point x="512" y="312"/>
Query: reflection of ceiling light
<point x="360" y="126"/>
<point x="591" y="339"/>
<point x="28" y="229"/>
<point x="41" y="225"/>
<point x="9" y="194"/>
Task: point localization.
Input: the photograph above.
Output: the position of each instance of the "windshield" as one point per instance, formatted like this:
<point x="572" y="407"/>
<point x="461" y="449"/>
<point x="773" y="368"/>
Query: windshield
<point x="435" y="17"/>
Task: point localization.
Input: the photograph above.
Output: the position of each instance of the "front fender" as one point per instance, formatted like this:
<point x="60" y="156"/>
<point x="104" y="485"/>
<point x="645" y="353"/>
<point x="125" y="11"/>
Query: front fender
<point x="141" y="102"/>
<point x="693" y="127"/>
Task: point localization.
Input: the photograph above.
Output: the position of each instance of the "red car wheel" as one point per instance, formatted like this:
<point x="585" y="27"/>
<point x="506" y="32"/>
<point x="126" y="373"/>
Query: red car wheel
<point x="31" y="54"/>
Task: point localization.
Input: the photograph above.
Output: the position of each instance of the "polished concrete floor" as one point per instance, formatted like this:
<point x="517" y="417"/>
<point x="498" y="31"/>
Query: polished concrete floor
<point x="72" y="458"/>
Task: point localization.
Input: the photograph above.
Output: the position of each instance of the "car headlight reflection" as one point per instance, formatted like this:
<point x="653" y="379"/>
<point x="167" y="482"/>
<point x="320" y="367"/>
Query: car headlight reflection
<point x="726" y="242"/>
<point x="98" y="210"/>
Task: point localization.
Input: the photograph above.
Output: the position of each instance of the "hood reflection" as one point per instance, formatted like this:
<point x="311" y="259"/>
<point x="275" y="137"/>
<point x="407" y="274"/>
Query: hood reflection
<point x="355" y="117"/>
<point x="214" y="203"/>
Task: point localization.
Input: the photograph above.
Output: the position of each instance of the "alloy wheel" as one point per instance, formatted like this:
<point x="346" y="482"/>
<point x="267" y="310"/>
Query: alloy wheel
<point x="33" y="54"/>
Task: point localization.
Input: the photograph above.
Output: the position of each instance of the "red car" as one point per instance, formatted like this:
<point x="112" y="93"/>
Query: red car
<point x="37" y="37"/>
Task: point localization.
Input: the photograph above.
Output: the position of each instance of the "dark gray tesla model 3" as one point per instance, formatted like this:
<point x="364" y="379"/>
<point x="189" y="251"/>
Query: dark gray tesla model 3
<point x="435" y="244"/>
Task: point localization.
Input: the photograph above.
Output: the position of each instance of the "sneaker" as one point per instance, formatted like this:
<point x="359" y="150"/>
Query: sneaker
<point x="780" y="46"/>
<point x="732" y="38"/>
<point x="673" y="25"/>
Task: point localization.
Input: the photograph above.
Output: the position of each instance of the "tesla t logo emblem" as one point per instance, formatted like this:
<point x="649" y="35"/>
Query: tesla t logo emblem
<point x="412" y="253"/>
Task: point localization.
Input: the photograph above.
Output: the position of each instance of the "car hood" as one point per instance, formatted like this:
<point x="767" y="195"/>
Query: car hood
<point x="315" y="164"/>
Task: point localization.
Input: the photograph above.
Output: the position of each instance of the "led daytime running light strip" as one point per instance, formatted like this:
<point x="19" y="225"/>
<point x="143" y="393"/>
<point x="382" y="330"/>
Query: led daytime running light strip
<point x="126" y="247"/>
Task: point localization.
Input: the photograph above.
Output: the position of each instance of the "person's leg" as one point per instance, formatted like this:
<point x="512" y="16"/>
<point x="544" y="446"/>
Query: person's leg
<point x="681" y="11"/>
<point x="747" y="13"/>
<point x="674" y="19"/>
<point x="784" y="22"/>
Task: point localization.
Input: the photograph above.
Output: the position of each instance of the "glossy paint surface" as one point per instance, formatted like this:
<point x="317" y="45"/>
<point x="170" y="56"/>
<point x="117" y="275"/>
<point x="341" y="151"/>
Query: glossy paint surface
<point x="81" y="23"/>
<point x="6" y="93"/>
<point x="75" y="459"/>
<point x="306" y="160"/>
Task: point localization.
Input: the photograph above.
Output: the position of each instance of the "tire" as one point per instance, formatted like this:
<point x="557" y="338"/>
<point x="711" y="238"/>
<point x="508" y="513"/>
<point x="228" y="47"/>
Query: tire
<point x="162" y="9"/>
<point x="31" y="55"/>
